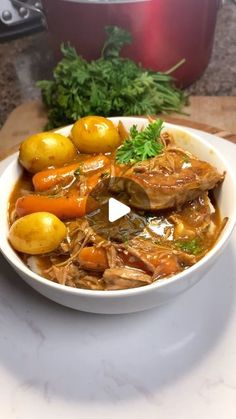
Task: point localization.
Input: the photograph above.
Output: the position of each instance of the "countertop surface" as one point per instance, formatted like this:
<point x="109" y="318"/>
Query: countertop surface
<point x="26" y="60"/>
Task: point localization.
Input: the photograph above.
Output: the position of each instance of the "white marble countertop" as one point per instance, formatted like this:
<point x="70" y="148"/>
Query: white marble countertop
<point x="178" y="361"/>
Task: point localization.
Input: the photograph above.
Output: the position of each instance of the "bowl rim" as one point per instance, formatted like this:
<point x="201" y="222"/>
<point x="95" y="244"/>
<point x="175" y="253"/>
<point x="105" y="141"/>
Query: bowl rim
<point x="210" y="255"/>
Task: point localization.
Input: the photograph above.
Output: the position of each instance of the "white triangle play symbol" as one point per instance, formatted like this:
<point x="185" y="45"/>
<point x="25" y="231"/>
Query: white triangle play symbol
<point x="116" y="210"/>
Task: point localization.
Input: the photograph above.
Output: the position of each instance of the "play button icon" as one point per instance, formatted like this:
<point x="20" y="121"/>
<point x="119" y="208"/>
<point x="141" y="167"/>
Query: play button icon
<point x="116" y="210"/>
<point x="108" y="211"/>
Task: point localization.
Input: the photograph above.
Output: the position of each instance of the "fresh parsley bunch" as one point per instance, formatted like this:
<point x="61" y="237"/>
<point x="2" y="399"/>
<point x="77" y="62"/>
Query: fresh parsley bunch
<point x="108" y="86"/>
<point x="141" y="145"/>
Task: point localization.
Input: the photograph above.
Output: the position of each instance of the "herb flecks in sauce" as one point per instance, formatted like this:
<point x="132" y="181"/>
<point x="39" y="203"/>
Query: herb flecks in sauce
<point x="77" y="172"/>
<point x="193" y="247"/>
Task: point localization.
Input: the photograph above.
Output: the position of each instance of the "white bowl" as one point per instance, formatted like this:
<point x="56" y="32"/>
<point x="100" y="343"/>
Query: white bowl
<point x="136" y="299"/>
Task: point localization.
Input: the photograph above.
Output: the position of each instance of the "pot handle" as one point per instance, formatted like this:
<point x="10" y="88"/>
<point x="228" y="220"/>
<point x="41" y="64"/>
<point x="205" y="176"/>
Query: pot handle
<point x="34" y="10"/>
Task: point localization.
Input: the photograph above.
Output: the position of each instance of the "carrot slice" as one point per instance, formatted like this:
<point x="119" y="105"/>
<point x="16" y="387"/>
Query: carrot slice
<point x="47" y="179"/>
<point x="94" y="258"/>
<point x="70" y="206"/>
<point x="94" y="164"/>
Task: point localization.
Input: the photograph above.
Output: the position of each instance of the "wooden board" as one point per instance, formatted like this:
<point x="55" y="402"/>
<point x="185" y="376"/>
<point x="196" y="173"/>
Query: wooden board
<point x="206" y="114"/>
<point x="217" y="111"/>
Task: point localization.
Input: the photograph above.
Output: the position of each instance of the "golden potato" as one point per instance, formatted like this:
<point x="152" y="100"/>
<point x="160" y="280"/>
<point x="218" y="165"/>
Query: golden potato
<point x="44" y="150"/>
<point x="95" y="134"/>
<point x="37" y="233"/>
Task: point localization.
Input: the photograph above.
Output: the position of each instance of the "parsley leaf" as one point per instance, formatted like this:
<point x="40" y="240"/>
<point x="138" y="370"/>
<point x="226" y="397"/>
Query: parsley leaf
<point x="117" y="37"/>
<point x="141" y="145"/>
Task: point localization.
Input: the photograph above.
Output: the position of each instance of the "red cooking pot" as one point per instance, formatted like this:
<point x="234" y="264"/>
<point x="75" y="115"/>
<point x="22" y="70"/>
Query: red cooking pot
<point x="164" y="31"/>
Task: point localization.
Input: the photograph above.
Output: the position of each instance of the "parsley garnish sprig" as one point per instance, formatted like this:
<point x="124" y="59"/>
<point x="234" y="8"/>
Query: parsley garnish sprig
<point x="141" y="145"/>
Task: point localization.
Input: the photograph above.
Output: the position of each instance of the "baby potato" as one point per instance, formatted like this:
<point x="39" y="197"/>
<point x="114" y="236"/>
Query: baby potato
<point x="37" y="233"/>
<point x="95" y="134"/>
<point x="46" y="149"/>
